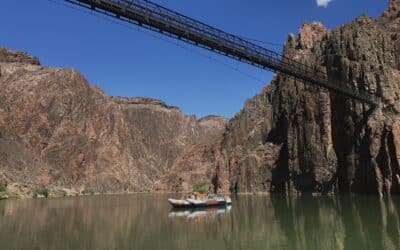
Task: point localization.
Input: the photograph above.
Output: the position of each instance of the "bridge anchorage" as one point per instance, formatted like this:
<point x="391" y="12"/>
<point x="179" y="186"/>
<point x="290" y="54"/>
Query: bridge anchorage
<point x="160" y="19"/>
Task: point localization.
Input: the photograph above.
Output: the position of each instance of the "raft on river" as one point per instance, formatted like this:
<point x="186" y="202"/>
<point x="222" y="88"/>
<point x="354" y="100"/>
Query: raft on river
<point x="208" y="202"/>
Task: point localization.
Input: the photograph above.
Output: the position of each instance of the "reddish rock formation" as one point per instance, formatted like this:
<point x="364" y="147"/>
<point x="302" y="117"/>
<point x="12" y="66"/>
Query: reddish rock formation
<point x="56" y="130"/>
<point x="200" y="162"/>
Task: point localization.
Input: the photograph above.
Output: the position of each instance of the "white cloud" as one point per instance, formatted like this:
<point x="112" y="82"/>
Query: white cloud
<point x="323" y="3"/>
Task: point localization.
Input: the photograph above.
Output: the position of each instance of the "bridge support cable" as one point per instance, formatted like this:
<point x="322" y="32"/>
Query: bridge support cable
<point x="157" y="18"/>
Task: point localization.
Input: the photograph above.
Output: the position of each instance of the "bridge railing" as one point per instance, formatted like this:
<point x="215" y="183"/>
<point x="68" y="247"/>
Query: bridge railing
<point x="156" y="17"/>
<point x="189" y="26"/>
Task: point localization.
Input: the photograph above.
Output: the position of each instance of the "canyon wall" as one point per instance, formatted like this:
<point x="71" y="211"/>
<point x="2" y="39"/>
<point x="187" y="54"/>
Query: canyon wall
<point x="296" y="138"/>
<point x="57" y="130"/>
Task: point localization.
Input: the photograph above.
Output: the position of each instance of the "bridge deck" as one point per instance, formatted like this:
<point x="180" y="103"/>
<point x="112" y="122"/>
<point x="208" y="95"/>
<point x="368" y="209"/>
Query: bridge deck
<point x="155" y="17"/>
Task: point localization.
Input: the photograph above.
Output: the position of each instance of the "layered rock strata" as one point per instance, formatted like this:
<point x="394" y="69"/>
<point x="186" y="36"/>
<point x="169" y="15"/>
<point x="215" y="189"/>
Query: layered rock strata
<point x="57" y="130"/>
<point x="297" y="138"/>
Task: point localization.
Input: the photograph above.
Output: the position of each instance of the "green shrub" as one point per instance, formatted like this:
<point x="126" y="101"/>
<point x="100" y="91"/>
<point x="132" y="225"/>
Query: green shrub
<point x="41" y="191"/>
<point x="9" y="195"/>
<point x="88" y="191"/>
<point x="201" y="186"/>
<point x="59" y="193"/>
<point x="3" y="188"/>
<point x="3" y="196"/>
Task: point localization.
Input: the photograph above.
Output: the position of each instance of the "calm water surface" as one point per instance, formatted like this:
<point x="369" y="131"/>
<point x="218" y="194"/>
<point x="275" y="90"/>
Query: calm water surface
<point x="253" y="222"/>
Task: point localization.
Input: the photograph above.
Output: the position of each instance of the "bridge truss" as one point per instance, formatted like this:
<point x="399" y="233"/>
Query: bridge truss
<point x="160" y="19"/>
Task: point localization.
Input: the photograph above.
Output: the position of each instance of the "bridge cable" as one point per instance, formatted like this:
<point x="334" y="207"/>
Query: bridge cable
<point x="177" y="43"/>
<point x="261" y="41"/>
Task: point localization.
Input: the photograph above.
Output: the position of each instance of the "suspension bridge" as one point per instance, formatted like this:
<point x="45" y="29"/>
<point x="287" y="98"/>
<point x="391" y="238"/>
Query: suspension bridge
<point x="160" y="19"/>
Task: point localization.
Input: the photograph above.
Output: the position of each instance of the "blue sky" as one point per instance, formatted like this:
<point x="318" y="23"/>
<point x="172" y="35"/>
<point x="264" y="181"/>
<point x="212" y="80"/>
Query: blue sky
<point x="126" y="62"/>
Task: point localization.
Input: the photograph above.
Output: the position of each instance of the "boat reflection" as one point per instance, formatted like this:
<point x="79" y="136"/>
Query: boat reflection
<point x="193" y="213"/>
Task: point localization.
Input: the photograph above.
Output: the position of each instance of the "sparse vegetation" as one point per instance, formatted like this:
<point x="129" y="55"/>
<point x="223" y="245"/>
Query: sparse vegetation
<point x="201" y="186"/>
<point x="58" y="193"/>
<point x="3" y="192"/>
<point x="3" y="188"/>
<point x="6" y="194"/>
<point x="3" y="195"/>
<point x="88" y="191"/>
<point x="41" y="191"/>
<point x="9" y="195"/>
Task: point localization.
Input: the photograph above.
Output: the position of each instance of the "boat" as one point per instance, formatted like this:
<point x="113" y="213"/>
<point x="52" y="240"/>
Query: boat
<point x="179" y="203"/>
<point x="208" y="202"/>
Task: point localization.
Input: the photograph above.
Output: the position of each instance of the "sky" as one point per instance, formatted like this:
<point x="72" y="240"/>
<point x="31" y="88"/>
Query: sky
<point x="127" y="61"/>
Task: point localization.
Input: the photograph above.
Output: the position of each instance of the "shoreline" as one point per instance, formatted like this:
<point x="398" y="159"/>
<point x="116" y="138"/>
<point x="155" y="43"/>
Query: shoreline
<point x="53" y="194"/>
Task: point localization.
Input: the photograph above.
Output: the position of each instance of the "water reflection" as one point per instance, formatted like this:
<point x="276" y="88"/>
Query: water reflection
<point x="339" y="222"/>
<point x="253" y="222"/>
<point x="199" y="213"/>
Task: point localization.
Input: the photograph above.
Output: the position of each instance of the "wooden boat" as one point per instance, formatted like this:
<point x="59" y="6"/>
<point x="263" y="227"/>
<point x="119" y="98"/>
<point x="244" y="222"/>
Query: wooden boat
<point x="208" y="202"/>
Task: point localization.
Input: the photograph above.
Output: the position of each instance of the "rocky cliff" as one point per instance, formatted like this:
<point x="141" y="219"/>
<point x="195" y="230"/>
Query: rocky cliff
<point x="297" y="138"/>
<point x="57" y="130"/>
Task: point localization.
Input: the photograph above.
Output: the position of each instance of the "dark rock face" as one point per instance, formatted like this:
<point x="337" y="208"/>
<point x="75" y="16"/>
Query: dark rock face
<point x="294" y="137"/>
<point x="56" y="130"/>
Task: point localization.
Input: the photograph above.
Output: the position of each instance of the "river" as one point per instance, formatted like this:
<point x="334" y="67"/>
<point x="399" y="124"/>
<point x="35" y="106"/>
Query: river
<point x="146" y="221"/>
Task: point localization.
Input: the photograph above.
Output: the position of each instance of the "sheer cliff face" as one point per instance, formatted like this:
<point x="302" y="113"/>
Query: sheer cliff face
<point x="57" y="130"/>
<point x="294" y="137"/>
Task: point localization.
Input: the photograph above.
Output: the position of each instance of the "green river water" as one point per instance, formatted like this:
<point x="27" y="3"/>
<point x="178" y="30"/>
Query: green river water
<point x="146" y="221"/>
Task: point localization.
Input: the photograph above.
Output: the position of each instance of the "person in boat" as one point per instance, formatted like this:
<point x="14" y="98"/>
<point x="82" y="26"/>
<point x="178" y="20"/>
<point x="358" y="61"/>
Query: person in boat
<point x="189" y="196"/>
<point x="210" y="193"/>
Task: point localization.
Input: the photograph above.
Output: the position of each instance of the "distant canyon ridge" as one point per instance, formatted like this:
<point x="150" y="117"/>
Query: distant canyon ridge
<point x="58" y="131"/>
